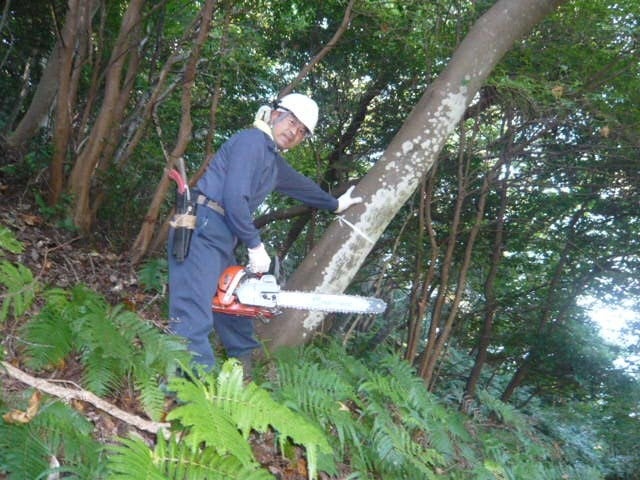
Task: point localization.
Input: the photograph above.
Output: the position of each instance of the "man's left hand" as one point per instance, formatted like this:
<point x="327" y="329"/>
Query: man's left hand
<point x="346" y="200"/>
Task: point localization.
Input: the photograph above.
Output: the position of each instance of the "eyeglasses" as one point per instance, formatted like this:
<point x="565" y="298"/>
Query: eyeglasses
<point x="296" y="125"/>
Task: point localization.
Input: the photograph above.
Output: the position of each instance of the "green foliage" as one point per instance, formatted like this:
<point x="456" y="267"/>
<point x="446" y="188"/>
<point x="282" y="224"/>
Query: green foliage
<point x="386" y="423"/>
<point x="172" y="459"/>
<point x="214" y="418"/>
<point x="57" y="431"/>
<point x="20" y="287"/>
<point x="153" y="275"/>
<point x="9" y="242"/>
<point x="113" y="344"/>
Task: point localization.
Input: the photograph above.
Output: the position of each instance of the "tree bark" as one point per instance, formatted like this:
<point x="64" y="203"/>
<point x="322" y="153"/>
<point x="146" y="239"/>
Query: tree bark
<point x="423" y="281"/>
<point x="102" y="133"/>
<point x="40" y="104"/>
<point x="72" y="52"/>
<point x="334" y="261"/>
<point x="491" y="305"/>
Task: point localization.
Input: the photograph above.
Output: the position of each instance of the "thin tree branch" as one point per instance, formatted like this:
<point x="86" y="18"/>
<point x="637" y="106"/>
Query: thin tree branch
<point x="346" y="20"/>
<point x="67" y="394"/>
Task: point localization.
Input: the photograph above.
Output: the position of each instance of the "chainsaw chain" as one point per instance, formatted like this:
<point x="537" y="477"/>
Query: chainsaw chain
<point x="332" y="308"/>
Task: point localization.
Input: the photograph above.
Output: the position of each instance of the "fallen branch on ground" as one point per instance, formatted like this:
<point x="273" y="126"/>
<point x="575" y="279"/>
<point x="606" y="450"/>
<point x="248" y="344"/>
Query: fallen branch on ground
<point x="67" y="394"/>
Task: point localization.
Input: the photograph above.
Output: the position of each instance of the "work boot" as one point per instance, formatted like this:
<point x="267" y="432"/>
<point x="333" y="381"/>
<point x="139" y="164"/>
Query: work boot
<point x="247" y="366"/>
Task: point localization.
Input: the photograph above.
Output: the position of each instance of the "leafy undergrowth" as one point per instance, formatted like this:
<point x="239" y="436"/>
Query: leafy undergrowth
<point x="80" y="318"/>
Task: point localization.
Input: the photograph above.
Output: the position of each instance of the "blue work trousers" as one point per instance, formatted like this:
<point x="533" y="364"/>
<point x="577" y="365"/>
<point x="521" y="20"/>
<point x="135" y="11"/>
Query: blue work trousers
<point x="192" y="285"/>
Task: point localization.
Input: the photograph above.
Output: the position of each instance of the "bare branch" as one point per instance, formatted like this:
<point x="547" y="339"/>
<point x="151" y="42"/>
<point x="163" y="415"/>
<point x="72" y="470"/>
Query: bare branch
<point x="67" y="394"/>
<point x="346" y="20"/>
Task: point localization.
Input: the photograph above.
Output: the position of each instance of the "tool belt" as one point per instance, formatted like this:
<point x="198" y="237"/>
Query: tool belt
<point x="212" y="204"/>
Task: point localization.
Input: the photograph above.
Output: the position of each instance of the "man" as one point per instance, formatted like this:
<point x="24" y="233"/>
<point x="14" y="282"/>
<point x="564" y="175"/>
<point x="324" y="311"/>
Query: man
<point x="246" y="169"/>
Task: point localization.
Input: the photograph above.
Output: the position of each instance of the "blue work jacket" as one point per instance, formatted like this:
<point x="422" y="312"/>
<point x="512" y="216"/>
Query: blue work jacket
<point x="246" y="169"/>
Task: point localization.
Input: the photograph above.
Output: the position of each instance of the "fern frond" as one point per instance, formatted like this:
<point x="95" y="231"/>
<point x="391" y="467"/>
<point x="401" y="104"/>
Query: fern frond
<point x="48" y="337"/>
<point x="96" y="330"/>
<point x="9" y="242"/>
<point x="207" y="423"/>
<point x="102" y="373"/>
<point x="162" y="353"/>
<point x="222" y="412"/>
<point x="153" y="274"/>
<point x="152" y="348"/>
<point x="20" y="289"/>
<point x="23" y="454"/>
<point x="57" y="430"/>
<point x="152" y="397"/>
<point x="115" y="345"/>
<point x="132" y="459"/>
<point x="506" y="413"/>
<point x="396" y="447"/>
<point x="323" y="396"/>
<point x="175" y="460"/>
<point x="393" y="426"/>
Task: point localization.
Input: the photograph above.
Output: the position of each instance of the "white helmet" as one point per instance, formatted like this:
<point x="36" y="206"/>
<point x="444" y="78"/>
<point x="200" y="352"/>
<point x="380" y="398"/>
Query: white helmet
<point x="303" y="107"/>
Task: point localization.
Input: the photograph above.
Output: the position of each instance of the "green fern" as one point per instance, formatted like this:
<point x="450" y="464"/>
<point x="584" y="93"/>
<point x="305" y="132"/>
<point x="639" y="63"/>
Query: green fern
<point x="222" y="412"/>
<point x="57" y="430"/>
<point x="23" y="454"/>
<point x="387" y="423"/>
<point x="114" y="345"/>
<point x="504" y="412"/>
<point x="20" y="289"/>
<point x="174" y="459"/>
<point x="49" y="336"/>
<point x="9" y="242"/>
<point x="323" y="397"/>
<point x="153" y="275"/>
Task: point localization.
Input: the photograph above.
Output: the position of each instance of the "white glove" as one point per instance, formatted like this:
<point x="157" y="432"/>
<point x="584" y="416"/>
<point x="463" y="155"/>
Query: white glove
<point x="346" y="200"/>
<point x="259" y="260"/>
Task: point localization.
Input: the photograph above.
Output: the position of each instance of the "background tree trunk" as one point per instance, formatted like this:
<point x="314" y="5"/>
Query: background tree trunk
<point x="332" y="264"/>
<point x="102" y="134"/>
<point x="72" y="54"/>
<point x="41" y="103"/>
<point x="491" y="305"/>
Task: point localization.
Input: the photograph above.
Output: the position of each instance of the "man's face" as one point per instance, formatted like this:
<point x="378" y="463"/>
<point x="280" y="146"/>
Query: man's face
<point x="287" y="130"/>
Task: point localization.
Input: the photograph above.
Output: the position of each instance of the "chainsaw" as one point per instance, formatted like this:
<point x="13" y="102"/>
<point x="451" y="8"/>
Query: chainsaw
<point x="246" y="294"/>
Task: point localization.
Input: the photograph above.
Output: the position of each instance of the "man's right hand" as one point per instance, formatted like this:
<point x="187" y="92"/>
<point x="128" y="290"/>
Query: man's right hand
<point x="259" y="260"/>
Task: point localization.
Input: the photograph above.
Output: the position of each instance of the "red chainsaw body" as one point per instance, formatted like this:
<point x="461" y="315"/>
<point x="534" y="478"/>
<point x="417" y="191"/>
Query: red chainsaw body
<point x="226" y="301"/>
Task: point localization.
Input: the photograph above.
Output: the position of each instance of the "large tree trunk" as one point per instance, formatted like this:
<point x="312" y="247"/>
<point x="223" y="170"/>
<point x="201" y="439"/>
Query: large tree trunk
<point x="332" y="264"/>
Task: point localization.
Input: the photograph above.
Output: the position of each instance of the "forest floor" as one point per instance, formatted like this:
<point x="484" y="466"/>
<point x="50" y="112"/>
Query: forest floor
<point x="61" y="258"/>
